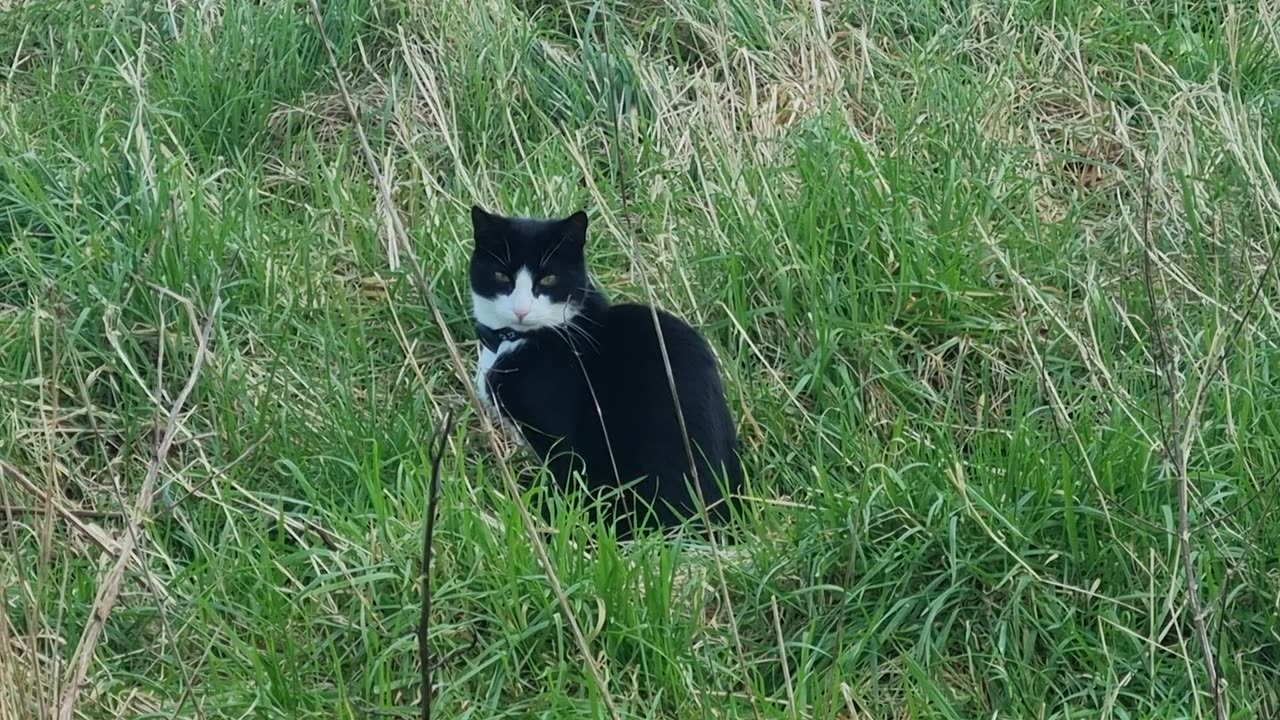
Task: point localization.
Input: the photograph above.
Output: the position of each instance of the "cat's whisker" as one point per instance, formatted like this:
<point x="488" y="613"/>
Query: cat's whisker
<point x="584" y="333"/>
<point x="551" y="253"/>
<point x="584" y="316"/>
<point x="564" y="335"/>
<point x="569" y="331"/>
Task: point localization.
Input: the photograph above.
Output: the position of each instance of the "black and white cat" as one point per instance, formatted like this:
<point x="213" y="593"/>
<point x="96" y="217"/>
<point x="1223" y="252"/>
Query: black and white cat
<point x="584" y="381"/>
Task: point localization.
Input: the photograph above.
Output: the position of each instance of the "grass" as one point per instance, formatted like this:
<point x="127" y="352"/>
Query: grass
<point x="915" y="234"/>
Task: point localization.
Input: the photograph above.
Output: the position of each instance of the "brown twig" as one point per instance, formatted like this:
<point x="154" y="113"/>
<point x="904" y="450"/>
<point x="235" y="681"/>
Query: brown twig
<point x="109" y="587"/>
<point x="424" y="620"/>
<point x="1177" y="449"/>
<point x="424" y="288"/>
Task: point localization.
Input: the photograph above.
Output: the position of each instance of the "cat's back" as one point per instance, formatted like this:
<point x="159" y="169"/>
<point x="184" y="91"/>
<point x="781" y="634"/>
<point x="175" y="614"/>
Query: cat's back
<point x="635" y="372"/>
<point x="633" y="339"/>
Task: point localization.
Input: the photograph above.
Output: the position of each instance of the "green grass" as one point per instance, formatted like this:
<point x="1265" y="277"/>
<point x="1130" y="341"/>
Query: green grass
<point x="913" y="233"/>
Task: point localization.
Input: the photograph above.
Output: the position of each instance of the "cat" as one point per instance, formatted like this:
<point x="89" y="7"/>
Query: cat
<point x="583" y="383"/>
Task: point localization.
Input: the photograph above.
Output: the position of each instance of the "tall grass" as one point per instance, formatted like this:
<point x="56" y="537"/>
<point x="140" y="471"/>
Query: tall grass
<point x="923" y="239"/>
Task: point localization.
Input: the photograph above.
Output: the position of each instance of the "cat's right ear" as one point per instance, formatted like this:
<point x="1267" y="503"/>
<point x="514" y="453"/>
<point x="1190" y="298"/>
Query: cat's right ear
<point x="483" y="223"/>
<point x="575" y="228"/>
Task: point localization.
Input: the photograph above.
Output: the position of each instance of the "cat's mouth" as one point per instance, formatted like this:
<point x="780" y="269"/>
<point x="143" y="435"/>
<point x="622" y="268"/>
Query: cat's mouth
<point x="529" y="324"/>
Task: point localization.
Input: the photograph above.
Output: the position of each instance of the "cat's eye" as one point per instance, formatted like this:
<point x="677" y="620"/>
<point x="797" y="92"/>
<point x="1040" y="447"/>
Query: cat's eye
<point x="501" y="277"/>
<point x="548" y="281"/>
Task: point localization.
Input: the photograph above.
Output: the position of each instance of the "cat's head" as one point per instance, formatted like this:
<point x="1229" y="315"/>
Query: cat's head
<point x="527" y="273"/>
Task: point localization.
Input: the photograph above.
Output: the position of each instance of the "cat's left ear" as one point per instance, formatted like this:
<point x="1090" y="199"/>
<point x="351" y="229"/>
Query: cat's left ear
<point x="575" y="228"/>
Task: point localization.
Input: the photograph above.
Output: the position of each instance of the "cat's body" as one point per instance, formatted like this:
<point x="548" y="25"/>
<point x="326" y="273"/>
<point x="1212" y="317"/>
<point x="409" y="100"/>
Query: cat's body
<point x="584" y="382"/>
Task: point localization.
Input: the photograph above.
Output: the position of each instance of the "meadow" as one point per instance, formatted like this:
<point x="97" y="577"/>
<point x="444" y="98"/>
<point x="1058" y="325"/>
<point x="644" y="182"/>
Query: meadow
<point x="992" y="285"/>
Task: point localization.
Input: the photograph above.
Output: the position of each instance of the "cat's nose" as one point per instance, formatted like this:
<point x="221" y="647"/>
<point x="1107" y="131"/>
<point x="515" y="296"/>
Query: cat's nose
<point x="521" y="314"/>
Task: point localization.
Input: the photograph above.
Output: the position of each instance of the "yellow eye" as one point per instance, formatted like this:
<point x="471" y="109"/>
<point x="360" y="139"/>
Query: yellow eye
<point x="501" y="277"/>
<point x="548" y="280"/>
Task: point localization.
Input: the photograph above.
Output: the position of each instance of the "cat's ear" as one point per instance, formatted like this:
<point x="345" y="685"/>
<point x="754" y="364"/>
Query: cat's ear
<point x="483" y="224"/>
<point x="575" y="228"/>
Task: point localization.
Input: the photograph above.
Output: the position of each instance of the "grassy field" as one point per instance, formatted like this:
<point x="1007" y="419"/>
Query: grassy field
<point x="989" y="283"/>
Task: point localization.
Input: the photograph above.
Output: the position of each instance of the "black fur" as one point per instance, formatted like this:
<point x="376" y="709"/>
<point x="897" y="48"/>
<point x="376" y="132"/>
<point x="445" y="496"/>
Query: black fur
<point x="606" y="363"/>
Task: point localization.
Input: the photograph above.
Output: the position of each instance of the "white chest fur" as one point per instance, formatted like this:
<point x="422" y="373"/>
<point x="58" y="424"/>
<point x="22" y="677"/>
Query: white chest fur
<point x="483" y="366"/>
<point x="486" y="361"/>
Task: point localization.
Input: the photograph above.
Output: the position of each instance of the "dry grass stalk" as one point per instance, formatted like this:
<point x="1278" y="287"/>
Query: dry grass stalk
<point x="782" y="657"/>
<point x="109" y="587"/>
<point x="73" y="517"/>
